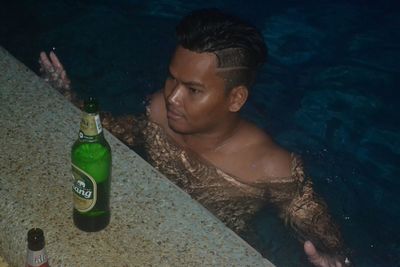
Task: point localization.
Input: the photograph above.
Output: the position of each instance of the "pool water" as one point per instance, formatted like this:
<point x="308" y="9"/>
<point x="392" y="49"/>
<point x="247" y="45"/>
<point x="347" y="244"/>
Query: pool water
<point x="328" y="93"/>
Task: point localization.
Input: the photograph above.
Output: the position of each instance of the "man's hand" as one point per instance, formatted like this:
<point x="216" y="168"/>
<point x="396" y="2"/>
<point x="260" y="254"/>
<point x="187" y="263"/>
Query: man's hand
<point x="53" y="72"/>
<point x="322" y="260"/>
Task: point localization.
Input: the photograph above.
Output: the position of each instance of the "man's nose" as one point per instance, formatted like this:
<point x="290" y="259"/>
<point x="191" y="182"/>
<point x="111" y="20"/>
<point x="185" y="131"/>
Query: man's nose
<point x="175" y="96"/>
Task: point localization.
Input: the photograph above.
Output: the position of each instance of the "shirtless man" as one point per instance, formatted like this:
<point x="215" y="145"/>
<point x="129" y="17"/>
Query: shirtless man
<point x="197" y="113"/>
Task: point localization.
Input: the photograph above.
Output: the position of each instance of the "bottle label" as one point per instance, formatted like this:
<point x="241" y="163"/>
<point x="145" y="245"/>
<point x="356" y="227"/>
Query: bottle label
<point x="37" y="258"/>
<point x="90" y="126"/>
<point x="85" y="190"/>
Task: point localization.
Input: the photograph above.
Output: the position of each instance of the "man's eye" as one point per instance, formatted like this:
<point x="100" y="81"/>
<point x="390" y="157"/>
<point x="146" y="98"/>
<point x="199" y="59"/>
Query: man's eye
<point x="194" y="90"/>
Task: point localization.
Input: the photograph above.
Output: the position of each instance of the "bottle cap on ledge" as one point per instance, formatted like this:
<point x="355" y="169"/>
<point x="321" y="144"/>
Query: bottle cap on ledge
<point x="35" y="239"/>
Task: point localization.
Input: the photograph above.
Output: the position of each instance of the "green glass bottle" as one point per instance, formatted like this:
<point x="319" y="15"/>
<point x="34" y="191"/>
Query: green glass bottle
<point x="91" y="168"/>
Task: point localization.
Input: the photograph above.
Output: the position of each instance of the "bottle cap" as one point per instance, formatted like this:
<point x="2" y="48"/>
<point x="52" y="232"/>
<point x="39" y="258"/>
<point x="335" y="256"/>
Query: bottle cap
<point x="91" y="105"/>
<point x="35" y="239"/>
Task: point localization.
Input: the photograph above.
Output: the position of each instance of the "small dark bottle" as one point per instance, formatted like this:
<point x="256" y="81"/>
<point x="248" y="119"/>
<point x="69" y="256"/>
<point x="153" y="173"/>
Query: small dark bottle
<point x="36" y="256"/>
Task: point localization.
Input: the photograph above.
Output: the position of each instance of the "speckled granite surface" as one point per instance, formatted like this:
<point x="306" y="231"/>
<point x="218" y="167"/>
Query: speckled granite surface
<point x="153" y="222"/>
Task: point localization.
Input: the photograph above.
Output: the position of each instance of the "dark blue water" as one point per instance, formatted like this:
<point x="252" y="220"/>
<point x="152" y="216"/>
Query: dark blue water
<point x="329" y="92"/>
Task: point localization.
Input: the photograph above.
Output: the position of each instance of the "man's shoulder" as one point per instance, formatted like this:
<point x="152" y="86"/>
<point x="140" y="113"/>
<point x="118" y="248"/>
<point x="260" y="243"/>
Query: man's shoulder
<point x="156" y="108"/>
<point x="267" y="158"/>
<point x="277" y="163"/>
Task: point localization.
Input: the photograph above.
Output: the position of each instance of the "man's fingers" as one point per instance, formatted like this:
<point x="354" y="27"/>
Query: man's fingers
<point x="56" y="63"/>
<point x="309" y="249"/>
<point x="65" y="80"/>
<point x="313" y="256"/>
<point x="320" y="260"/>
<point x="64" y="76"/>
<point x="53" y="72"/>
<point x="51" y="64"/>
<point x="45" y="62"/>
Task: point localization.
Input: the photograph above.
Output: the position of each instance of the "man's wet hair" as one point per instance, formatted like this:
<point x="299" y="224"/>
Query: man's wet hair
<point x="239" y="47"/>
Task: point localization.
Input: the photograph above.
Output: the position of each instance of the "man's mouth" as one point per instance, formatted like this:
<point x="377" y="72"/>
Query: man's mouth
<point x="173" y="114"/>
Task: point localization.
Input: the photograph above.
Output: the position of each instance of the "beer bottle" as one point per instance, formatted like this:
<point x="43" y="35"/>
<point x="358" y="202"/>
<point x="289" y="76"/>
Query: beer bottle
<point x="91" y="168"/>
<point x="37" y="256"/>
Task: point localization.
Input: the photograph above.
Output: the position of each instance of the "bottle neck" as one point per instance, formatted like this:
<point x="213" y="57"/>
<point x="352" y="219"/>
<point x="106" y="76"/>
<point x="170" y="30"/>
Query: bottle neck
<point x="91" y="129"/>
<point x="36" y="246"/>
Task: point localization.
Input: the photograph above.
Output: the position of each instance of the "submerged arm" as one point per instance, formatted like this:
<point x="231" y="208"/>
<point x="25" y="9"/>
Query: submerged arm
<point x="307" y="214"/>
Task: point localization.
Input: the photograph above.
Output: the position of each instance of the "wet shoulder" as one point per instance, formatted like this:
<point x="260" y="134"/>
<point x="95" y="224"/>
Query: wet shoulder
<point x="156" y="109"/>
<point x="266" y="160"/>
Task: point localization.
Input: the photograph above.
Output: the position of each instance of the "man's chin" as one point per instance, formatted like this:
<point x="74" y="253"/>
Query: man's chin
<point x="178" y="128"/>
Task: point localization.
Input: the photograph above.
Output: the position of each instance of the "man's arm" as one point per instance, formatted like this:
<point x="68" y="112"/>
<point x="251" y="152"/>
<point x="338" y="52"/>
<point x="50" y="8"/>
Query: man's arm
<point x="306" y="213"/>
<point x="53" y="72"/>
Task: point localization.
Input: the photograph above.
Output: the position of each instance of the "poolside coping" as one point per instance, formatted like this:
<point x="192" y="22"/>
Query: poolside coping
<point x="153" y="222"/>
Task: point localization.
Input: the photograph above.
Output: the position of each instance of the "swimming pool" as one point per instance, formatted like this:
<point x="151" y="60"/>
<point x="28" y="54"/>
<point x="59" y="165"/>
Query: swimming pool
<point x="327" y="93"/>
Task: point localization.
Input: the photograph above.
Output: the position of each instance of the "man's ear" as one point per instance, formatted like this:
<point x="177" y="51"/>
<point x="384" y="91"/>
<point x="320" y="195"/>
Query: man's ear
<point x="237" y="97"/>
